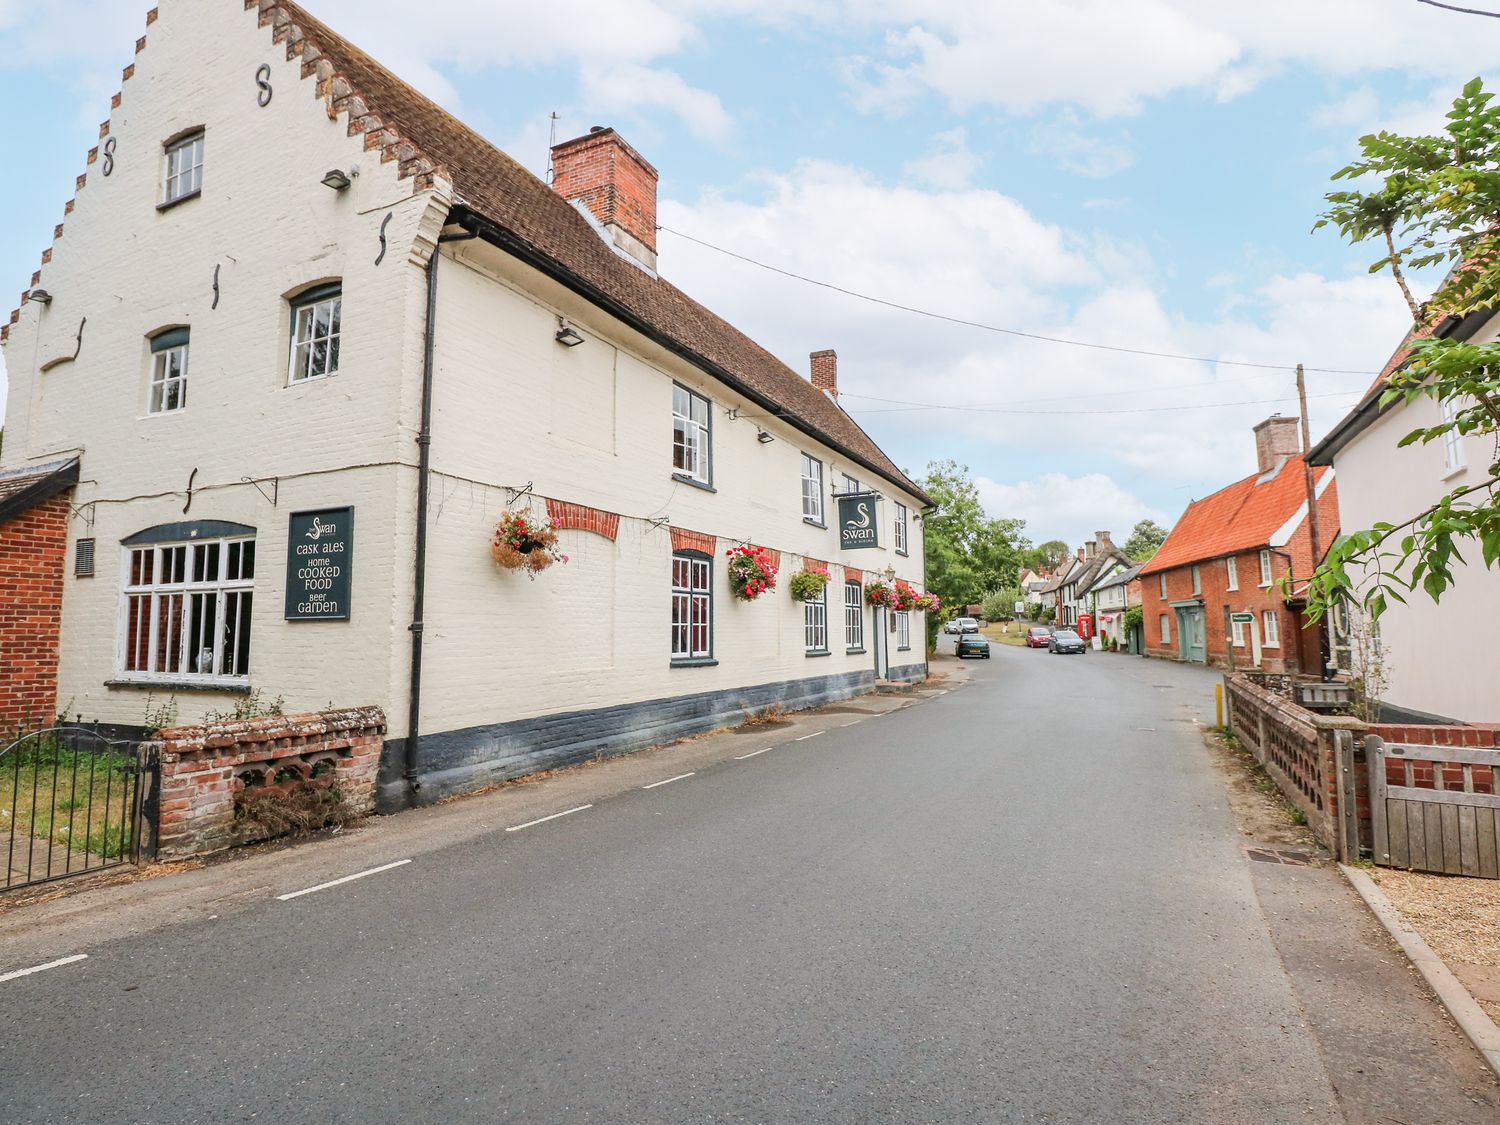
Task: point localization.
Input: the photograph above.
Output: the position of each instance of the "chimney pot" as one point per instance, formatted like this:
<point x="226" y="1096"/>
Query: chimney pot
<point x="825" y="371"/>
<point x="1105" y="542"/>
<point x="618" y="186"/>
<point x="1277" y="440"/>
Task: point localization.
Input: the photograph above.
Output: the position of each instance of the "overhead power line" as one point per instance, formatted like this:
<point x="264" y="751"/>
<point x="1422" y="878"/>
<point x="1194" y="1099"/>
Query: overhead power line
<point x="1006" y="331"/>
<point x="1125" y="410"/>
<point x="1465" y="11"/>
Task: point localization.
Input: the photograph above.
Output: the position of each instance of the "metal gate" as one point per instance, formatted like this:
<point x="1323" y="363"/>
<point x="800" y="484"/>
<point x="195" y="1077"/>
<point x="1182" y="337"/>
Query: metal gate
<point x="1443" y="815"/>
<point x="73" y="801"/>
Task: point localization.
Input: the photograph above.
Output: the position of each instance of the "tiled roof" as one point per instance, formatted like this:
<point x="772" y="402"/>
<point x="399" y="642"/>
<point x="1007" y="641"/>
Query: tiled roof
<point x="1245" y="516"/>
<point x="544" y="228"/>
<point x="1120" y="577"/>
<point x="23" y="489"/>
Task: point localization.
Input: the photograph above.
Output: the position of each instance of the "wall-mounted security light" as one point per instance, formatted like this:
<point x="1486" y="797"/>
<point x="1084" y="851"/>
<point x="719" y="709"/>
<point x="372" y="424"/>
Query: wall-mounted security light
<point x="764" y="438"/>
<point x="40" y="296"/>
<point x="567" y="335"/>
<point x="337" y="179"/>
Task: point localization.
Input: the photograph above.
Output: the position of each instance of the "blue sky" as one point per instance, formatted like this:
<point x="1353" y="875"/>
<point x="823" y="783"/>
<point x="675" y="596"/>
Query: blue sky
<point x="1134" y="172"/>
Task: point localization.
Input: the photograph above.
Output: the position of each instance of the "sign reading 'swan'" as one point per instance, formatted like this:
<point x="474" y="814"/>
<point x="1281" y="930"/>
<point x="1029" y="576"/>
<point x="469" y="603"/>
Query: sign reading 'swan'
<point x="319" y="561"/>
<point x="859" y="523"/>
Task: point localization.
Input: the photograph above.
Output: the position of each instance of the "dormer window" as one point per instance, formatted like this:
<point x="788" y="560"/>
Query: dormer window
<point x="184" y="171"/>
<point x="316" y="317"/>
<point x="169" y="371"/>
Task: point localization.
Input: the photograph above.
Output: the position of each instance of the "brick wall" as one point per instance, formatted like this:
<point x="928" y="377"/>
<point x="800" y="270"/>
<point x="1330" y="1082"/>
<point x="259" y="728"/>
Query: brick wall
<point x="205" y="770"/>
<point x="1214" y="594"/>
<point x="33" y="546"/>
<point x="611" y="179"/>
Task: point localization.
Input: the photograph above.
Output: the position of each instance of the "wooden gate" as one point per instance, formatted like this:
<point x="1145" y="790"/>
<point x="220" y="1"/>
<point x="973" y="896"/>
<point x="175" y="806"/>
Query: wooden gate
<point x="1435" y="808"/>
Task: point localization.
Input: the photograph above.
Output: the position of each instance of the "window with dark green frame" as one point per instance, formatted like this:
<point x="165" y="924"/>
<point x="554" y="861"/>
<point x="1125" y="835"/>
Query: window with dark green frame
<point x="169" y="371"/>
<point x="854" y="617"/>
<point x="317" y="316"/>
<point x="692" y="607"/>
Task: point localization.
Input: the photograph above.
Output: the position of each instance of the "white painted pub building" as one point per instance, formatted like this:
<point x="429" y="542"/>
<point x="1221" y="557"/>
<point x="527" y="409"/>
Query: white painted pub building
<point x="304" y="337"/>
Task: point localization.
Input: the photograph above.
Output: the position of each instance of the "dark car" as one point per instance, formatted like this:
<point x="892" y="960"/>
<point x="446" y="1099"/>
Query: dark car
<point x="1066" y="640"/>
<point x="972" y="644"/>
<point x="1038" y="636"/>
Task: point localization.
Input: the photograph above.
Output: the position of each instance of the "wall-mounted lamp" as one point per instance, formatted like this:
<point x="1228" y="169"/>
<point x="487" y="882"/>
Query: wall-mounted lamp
<point x="889" y="573"/>
<point x="764" y="438"/>
<point x="40" y="296"/>
<point x="567" y="335"/>
<point x="337" y="179"/>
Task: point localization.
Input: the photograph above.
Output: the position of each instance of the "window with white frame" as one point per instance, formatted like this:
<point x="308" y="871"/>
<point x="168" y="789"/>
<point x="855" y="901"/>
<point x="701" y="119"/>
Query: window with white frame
<point x="1166" y="629"/>
<point x="186" y="611"/>
<point x="317" y="316"/>
<point x="854" y="617"/>
<point x="690" y="435"/>
<point x="903" y="630"/>
<point x="692" y="606"/>
<point x="812" y="489"/>
<point x="1453" y="448"/>
<point x="815" y="623"/>
<point x="1164" y="583"/>
<point x="1232" y="572"/>
<point x="851" y="485"/>
<point x="1340" y="638"/>
<point x="1265" y="569"/>
<point x="901" y="547"/>
<point x="169" y="371"/>
<point x="184" y="168"/>
<point x="1237" y="633"/>
<point x="1197" y="581"/>
<point x="1271" y="631"/>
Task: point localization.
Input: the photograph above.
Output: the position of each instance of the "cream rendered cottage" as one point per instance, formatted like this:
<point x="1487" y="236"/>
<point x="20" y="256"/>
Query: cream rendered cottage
<point x="307" y="337"/>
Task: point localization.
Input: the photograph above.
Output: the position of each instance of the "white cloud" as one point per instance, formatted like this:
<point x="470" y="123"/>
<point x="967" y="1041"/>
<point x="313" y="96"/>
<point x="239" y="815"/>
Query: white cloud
<point x="948" y="164"/>
<point x="1077" y="150"/>
<point x="640" y="87"/>
<point x="1057" y="506"/>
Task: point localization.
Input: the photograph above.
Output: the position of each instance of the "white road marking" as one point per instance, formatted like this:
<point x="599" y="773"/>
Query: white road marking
<point x="669" y="780"/>
<point x="43" y="968"/>
<point x="753" y="753"/>
<point x="545" y="819"/>
<point x="345" y="879"/>
<point x="805" y="737"/>
<point x="855" y="723"/>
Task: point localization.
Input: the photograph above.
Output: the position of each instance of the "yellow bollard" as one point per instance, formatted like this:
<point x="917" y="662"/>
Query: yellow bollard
<point x="1219" y="704"/>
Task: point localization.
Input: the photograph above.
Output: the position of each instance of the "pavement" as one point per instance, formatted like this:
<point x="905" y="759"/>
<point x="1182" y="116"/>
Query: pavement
<point x="1020" y="898"/>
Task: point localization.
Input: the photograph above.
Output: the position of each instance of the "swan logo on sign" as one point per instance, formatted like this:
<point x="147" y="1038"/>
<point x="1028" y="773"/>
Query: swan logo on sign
<point x="858" y="526"/>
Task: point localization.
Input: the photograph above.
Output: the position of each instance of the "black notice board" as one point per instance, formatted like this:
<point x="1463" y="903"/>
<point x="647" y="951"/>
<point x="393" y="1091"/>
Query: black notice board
<point x="859" y="522"/>
<point x="319" y="564"/>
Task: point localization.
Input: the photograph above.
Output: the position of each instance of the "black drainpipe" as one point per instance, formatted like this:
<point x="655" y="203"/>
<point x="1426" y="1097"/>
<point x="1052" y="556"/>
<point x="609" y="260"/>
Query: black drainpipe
<point x="424" y="465"/>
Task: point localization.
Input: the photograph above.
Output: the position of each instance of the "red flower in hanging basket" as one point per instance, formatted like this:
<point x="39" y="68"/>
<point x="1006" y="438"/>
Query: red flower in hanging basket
<point x="520" y="545"/>
<point x="751" y="572"/>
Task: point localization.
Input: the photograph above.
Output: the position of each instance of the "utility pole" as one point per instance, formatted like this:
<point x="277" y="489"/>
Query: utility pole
<point x="1314" y="527"/>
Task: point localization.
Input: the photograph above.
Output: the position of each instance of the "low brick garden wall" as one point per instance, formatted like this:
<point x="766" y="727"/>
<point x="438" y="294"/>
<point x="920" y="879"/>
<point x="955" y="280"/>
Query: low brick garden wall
<point x="215" y="777"/>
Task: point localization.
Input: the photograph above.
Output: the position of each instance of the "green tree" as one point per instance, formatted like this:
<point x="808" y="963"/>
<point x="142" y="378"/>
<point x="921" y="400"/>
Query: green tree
<point x="967" y="551"/>
<point x="1145" y="540"/>
<point x="1046" y="556"/>
<point x="999" y="604"/>
<point x="1428" y="201"/>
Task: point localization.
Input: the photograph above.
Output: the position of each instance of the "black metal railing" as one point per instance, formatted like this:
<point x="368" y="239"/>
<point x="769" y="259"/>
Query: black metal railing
<point x="71" y="802"/>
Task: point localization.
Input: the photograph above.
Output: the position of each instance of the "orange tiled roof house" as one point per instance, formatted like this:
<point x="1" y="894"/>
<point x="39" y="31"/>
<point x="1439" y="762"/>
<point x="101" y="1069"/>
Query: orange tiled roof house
<point x="1215" y="593"/>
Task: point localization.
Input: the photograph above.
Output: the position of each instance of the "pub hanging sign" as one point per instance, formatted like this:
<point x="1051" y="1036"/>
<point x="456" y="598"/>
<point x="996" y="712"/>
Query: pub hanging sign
<point x="319" y="559"/>
<point x="859" y="524"/>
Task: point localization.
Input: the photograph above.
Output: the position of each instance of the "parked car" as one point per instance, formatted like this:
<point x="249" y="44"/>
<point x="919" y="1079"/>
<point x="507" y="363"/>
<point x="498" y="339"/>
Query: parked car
<point x="952" y="626"/>
<point x="966" y="624"/>
<point x="1066" y="640"/>
<point x="1038" y="636"/>
<point x="972" y="644"/>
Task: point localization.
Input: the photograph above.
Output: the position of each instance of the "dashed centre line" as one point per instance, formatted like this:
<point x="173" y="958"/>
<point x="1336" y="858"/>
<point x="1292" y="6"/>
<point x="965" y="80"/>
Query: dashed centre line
<point x="855" y="723"/>
<point x="345" y="879"/>
<point x="669" y="780"/>
<point x="43" y="968"/>
<point x="753" y="753"/>
<point x="545" y="819"/>
<point x="805" y="737"/>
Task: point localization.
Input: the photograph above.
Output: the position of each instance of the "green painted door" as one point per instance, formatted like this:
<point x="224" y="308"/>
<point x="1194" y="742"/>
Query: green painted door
<point x="1192" y="637"/>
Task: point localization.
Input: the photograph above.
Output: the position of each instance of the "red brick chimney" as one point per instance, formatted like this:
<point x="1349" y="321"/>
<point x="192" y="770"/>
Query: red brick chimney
<point x="825" y="371"/>
<point x="1276" y="440"/>
<point x="616" y="184"/>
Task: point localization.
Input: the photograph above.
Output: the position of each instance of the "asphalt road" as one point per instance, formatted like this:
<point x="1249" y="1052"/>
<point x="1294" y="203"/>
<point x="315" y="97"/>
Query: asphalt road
<point x="1024" y="900"/>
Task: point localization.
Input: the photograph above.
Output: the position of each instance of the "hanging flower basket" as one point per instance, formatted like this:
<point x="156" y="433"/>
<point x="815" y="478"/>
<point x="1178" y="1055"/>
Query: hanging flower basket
<point x="904" y="598"/>
<point x="929" y="603"/>
<point x="751" y="572"/>
<point x="877" y="593"/>
<point x="523" y="543"/>
<point x="807" y="585"/>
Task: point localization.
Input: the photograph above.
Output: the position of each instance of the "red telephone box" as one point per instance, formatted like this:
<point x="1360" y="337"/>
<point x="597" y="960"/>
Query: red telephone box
<point x="1086" y="626"/>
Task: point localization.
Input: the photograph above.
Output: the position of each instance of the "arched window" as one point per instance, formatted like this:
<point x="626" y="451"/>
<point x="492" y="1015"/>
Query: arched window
<point x="169" y="371"/>
<point x="317" y="316"/>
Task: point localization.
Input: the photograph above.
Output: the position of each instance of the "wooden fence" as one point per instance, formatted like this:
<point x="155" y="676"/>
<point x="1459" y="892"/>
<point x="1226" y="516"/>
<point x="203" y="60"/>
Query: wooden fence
<point x="1435" y="808"/>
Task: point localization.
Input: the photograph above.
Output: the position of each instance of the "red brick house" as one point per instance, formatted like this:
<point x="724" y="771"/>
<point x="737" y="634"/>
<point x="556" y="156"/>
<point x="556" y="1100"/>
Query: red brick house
<point x="34" y="507"/>
<point x="1228" y="556"/>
